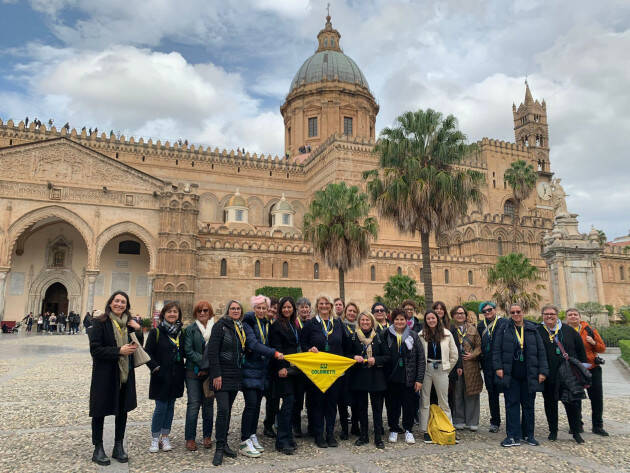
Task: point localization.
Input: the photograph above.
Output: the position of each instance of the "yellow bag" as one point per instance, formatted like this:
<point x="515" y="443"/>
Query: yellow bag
<point x="321" y="368"/>
<point x="440" y="427"/>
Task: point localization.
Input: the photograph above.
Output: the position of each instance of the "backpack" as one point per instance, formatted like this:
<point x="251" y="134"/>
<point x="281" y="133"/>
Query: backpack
<point x="440" y="427"/>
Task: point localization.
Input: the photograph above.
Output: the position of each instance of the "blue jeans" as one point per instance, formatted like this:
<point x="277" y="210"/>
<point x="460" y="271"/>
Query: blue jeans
<point x="518" y="397"/>
<point x="196" y="399"/>
<point x="162" y="417"/>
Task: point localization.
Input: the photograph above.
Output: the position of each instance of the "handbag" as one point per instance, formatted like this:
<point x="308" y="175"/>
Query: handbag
<point x="140" y="357"/>
<point x="207" y="389"/>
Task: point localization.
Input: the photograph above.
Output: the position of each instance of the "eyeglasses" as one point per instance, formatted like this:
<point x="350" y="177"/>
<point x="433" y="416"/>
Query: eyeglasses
<point x="487" y="311"/>
<point x="515" y="312"/>
<point x="551" y="314"/>
<point x="235" y="308"/>
<point x="379" y="310"/>
<point x="204" y="310"/>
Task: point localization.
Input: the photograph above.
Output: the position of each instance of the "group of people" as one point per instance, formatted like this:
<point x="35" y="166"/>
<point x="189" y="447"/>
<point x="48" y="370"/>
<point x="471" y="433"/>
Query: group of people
<point x="49" y="322"/>
<point x="404" y="362"/>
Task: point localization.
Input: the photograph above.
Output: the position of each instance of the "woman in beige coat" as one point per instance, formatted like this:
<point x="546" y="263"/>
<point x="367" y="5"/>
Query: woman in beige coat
<point x="441" y="356"/>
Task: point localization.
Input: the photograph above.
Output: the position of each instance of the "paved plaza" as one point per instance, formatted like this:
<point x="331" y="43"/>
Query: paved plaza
<point x="44" y="392"/>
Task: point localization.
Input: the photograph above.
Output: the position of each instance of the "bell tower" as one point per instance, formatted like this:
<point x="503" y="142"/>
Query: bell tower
<point x="531" y="129"/>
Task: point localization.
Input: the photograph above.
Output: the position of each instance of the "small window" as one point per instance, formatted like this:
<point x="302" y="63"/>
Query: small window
<point x="128" y="247"/>
<point x="223" y="267"/>
<point x="289" y="135"/>
<point x="508" y="207"/>
<point x="60" y="257"/>
<point x="325" y="41"/>
<point x="316" y="271"/>
<point x="347" y="126"/>
<point x="332" y="42"/>
<point x="372" y="273"/>
<point x="285" y="270"/>
<point x="312" y="127"/>
<point x="239" y="215"/>
<point x="470" y="278"/>
<point x="622" y="274"/>
<point x="446" y="276"/>
<point x="257" y="269"/>
<point x="500" y="246"/>
<point x="286" y="219"/>
<point x="399" y="271"/>
<point x="494" y="183"/>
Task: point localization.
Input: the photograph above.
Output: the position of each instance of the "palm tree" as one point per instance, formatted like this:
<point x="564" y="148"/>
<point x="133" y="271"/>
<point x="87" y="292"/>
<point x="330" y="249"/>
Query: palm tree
<point x="522" y="178"/>
<point x="510" y="276"/>
<point x="339" y="229"/>
<point x="419" y="185"/>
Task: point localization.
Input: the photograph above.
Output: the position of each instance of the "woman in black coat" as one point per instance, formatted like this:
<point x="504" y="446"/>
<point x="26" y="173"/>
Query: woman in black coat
<point x="368" y="377"/>
<point x="520" y="363"/>
<point x="406" y="374"/>
<point x="167" y="373"/>
<point x="224" y="359"/>
<point x="323" y="333"/>
<point x="284" y="338"/>
<point x="113" y="386"/>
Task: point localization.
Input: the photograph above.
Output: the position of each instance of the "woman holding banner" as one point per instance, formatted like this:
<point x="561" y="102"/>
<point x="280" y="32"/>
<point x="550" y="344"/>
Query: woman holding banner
<point x="368" y="377"/>
<point x="406" y="374"/>
<point x="284" y="338"/>
<point x="323" y="333"/>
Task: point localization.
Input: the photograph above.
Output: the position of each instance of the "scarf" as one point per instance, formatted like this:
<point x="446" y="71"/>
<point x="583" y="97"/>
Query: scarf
<point x="406" y="335"/>
<point x="205" y="331"/>
<point x="120" y="335"/>
<point x="172" y="329"/>
<point x="367" y="341"/>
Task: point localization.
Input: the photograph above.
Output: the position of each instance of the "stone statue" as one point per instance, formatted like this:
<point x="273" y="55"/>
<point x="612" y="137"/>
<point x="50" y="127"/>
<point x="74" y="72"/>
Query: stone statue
<point x="558" y="199"/>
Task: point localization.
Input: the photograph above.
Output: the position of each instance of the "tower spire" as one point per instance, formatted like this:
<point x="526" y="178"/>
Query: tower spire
<point x="528" y="94"/>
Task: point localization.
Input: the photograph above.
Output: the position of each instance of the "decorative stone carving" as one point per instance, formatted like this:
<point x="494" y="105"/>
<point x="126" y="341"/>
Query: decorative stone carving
<point x="558" y="199"/>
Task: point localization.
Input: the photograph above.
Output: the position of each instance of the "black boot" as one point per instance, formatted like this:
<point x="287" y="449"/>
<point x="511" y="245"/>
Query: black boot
<point x="344" y="431"/>
<point x="99" y="455"/>
<point x="269" y="432"/>
<point x="218" y="456"/>
<point x="228" y="451"/>
<point x="119" y="452"/>
<point x="331" y="440"/>
<point x="378" y="439"/>
<point x="297" y="430"/>
<point x="354" y="430"/>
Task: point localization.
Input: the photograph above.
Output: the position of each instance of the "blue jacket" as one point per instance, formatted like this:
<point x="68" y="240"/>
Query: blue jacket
<point x="258" y="354"/>
<point x="504" y="346"/>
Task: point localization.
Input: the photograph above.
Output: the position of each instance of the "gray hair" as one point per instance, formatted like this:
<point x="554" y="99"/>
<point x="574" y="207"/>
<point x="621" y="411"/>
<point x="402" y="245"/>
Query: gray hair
<point x="549" y="306"/>
<point x="573" y="309"/>
<point x="303" y="301"/>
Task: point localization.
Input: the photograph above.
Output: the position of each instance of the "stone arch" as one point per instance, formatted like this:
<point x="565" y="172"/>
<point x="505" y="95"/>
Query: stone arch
<point x="469" y="234"/>
<point x="31" y="218"/>
<point x="221" y="207"/>
<point x="47" y="278"/>
<point x="208" y="205"/>
<point x="133" y="229"/>
<point x="256" y="214"/>
<point x="267" y="211"/>
<point x="300" y="210"/>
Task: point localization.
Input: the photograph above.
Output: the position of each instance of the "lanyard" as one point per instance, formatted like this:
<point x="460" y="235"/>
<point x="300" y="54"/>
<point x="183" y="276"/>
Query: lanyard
<point x="491" y="328"/>
<point x="350" y="331"/>
<point x="241" y="334"/>
<point x="297" y="337"/>
<point x="263" y="334"/>
<point x="381" y="326"/>
<point x="327" y="331"/>
<point x="552" y="335"/>
<point x="460" y="335"/>
<point x="521" y="337"/>
<point x="399" y="342"/>
<point x="434" y="350"/>
<point x="117" y="326"/>
<point x="175" y="340"/>
<point x="299" y="321"/>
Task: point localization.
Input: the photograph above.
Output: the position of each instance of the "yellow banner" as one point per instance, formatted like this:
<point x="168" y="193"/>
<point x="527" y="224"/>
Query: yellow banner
<point x="322" y="368"/>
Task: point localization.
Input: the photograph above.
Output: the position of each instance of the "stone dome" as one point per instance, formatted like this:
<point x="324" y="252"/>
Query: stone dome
<point x="283" y="205"/>
<point x="236" y="200"/>
<point x="328" y="63"/>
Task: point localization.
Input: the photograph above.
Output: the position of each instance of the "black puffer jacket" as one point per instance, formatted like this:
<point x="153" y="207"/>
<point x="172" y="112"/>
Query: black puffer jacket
<point x="167" y="382"/>
<point x="413" y="357"/>
<point x="503" y="349"/>
<point x="223" y="355"/>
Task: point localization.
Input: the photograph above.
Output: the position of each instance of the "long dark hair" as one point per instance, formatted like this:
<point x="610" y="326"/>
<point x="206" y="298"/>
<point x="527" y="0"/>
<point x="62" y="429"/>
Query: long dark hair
<point x="168" y="306"/>
<point x="433" y="335"/>
<point x="447" y="318"/>
<point x="281" y="318"/>
<point x="108" y="310"/>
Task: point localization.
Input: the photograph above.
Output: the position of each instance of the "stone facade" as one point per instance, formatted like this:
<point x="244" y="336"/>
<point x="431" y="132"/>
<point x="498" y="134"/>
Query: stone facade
<point x="217" y="224"/>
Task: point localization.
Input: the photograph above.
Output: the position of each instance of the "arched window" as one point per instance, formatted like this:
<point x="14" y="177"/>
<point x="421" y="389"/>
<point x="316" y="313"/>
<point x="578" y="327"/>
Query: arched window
<point x="271" y="216"/>
<point x="129" y="247"/>
<point x="470" y="277"/>
<point x="500" y="246"/>
<point x="60" y="257"/>
<point x="316" y="271"/>
<point x="446" y="276"/>
<point x="285" y="270"/>
<point x="509" y="207"/>
<point x="223" y="267"/>
<point x="399" y="271"/>
<point x="622" y="274"/>
<point x="257" y="269"/>
<point x="372" y="273"/>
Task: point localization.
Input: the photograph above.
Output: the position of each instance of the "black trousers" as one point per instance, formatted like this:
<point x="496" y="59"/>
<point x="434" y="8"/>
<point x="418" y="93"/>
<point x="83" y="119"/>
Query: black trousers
<point x="361" y="411"/>
<point x="493" y="398"/>
<point x="323" y="409"/>
<point x="344" y="401"/>
<point x="596" y="395"/>
<point x="272" y="405"/>
<point x="298" y="400"/>
<point x="120" y="421"/>
<point x="403" y="398"/>
<point x="284" y="437"/>
<point x="550" y="396"/>
<point x="225" y="400"/>
<point x="251" y="412"/>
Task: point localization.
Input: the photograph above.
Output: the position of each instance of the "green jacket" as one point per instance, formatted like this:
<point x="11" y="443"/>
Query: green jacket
<point x="194" y="345"/>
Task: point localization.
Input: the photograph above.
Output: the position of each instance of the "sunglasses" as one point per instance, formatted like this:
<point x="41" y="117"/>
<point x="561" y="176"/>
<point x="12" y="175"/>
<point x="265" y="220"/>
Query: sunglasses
<point x="379" y="310"/>
<point x="515" y="312"/>
<point x="487" y="311"/>
<point x="204" y="310"/>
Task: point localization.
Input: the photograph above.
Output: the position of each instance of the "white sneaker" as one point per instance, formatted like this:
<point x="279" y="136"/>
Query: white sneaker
<point x="166" y="444"/>
<point x="155" y="445"/>
<point x="409" y="438"/>
<point x="459" y="426"/>
<point x="393" y="436"/>
<point x="247" y="449"/>
<point x="474" y="428"/>
<point x="256" y="443"/>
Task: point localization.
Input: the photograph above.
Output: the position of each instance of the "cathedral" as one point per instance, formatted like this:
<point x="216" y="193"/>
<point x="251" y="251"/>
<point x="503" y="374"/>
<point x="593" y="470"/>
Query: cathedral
<point x="84" y="214"/>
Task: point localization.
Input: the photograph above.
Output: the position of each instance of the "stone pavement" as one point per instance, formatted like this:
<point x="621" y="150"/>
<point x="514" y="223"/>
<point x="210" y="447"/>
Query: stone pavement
<point x="44" y="392"/>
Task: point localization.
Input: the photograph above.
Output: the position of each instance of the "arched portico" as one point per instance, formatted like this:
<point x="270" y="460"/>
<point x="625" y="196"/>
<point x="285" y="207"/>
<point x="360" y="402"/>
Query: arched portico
<point x="47" y="278"/>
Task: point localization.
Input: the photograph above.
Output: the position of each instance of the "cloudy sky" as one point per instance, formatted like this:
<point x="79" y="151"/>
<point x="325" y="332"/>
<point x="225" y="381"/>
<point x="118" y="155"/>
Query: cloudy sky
<point x="216" y="73"/>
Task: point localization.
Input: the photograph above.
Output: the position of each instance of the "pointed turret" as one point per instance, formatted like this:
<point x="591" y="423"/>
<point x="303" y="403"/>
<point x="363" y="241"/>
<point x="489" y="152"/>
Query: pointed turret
<point x="528" y="95"/>
<point x="531" y="129"/>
